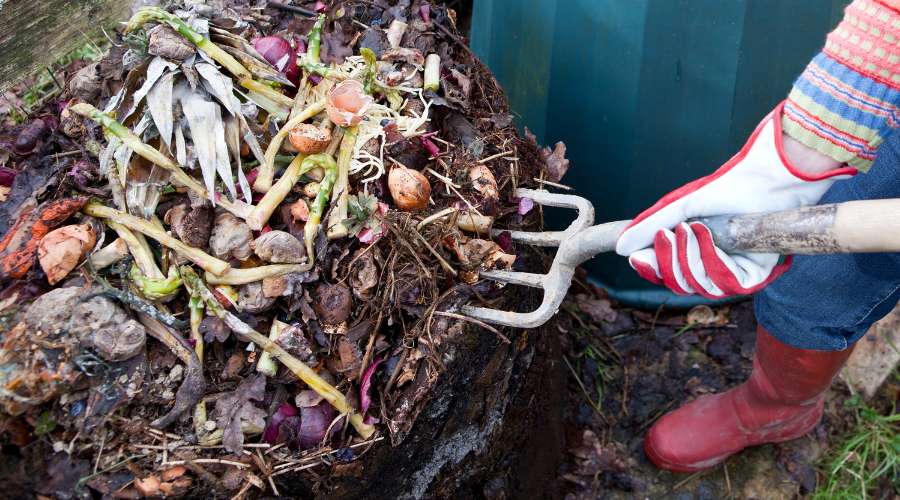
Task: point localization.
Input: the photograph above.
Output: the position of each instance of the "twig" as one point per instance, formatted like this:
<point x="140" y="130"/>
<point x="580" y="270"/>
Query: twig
<point x="435" y="216"/>
<point x="205" y="461"/>
<point x="81" y="482"/>
<point x="475" y="321"/>
<point x="727" y="479"/>
<point x="57" y="156"/>
<point x="100" y="453"/>
<point x="689" y="479"/>
<point x="291" y="8"/>
<point x="457" y="193"/>
<point x="446" y="265"/>
<point x="494" y="157"/>
<point x="432" y="172"/>
<point x="554" y="184"/>
<point x="456" y="39"/>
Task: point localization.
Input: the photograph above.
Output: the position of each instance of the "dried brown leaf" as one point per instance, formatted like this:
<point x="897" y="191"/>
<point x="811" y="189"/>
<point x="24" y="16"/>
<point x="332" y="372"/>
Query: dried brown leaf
<point x="557" y="164"/>
<point x="238" y="406"/>
<point x="600" y="310"/>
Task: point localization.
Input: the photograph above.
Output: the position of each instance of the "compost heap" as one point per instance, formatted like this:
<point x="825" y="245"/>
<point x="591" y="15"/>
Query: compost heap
<point x="237" y="244"/>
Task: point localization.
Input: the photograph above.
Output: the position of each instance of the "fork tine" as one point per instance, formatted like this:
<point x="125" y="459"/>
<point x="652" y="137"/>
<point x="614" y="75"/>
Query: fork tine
<point x="584" y="218"/>
<point x="550" y="304"/>
<point x="516" y="278"/>
<point x="544" y="239"/>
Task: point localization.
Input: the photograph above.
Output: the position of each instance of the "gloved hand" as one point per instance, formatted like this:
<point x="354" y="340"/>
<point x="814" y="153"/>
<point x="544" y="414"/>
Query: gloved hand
<point x="665" y="248"/>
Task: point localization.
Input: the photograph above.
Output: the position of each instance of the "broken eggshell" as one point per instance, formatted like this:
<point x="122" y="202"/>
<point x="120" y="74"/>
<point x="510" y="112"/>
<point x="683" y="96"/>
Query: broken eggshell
<point x="347" y="103"/>
<point x="309" y="139"/>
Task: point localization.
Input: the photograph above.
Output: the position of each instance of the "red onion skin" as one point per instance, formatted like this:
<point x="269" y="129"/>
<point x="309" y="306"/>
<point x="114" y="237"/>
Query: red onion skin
<point x="321" y="8"/>
<point x="430" y="146"/>
<point x="284" y="411"/>
<point x="314" y="422"/>
<point x="365" y="400"/>
<point x="525" y="205"/>
<point x="274" y="49"/>
<point x="7" y="176"/>
<point x="425" y="12"/>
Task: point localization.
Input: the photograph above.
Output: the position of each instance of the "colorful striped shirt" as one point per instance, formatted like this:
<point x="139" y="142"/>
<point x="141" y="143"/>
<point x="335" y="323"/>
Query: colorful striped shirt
<point x="846" y="101"/>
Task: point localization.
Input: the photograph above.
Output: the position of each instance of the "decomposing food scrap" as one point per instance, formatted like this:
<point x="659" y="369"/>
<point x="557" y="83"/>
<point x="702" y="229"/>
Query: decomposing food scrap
<point x="327" y="176"/>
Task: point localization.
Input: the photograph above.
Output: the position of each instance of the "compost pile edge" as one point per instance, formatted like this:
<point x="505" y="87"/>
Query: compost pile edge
<point x="235" y="253"/>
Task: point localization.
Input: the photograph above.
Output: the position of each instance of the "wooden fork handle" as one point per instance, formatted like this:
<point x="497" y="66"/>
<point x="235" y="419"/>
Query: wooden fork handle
<point x="851" y="227"/>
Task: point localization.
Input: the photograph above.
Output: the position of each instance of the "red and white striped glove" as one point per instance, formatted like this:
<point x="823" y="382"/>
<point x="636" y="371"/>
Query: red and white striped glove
<point x="665" y="248"/>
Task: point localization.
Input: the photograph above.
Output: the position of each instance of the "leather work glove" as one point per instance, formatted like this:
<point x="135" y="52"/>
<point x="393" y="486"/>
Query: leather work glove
<point x="665" y="247"/>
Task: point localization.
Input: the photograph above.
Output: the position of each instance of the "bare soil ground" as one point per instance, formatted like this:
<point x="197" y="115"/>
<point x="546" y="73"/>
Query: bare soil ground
<point x="632" y="366"/>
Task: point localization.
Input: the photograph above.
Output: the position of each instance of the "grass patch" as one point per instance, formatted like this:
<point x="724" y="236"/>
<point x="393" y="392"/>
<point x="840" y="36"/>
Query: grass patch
<point x="867" y="462"/>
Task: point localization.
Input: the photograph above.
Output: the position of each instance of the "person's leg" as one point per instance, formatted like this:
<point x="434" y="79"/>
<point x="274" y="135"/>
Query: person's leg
<point x="809" y="320"/>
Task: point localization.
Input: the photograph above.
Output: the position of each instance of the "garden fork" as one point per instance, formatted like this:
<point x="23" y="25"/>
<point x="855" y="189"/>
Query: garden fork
<point x="851" y="227"/>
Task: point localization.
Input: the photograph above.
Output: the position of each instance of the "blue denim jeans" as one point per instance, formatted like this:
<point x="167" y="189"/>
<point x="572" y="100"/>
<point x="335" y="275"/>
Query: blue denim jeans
<point x="827" y="302"/>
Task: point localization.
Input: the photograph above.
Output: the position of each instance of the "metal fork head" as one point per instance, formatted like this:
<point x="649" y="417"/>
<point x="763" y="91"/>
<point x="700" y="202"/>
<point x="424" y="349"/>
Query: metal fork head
<point x="555" y="282"/>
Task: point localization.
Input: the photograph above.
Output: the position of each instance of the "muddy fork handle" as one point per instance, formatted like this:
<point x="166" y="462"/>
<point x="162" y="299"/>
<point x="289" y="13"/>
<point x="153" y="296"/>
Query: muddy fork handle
<point x="852" y="227"/>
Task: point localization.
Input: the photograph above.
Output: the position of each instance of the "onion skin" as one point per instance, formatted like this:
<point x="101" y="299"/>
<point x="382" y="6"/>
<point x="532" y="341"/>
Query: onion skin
<point x="409" y="189"/>
<point x="274" y="49"/>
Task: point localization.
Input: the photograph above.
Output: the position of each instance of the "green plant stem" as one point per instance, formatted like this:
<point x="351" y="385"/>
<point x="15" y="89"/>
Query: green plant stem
<point x="336" y="227"/>
<point x="266" y="365"/>
<point x="274" y="196"/>
<point x="315" y="40"/>
<point x="266" y="173"/>
<point x="301" y="370"/>
<point x="312" y="63"/>
<point x="216" y="53"/>
<point x="254" y="274"/>
<point x="197" y="312"/>
<point x="140" y="252"/>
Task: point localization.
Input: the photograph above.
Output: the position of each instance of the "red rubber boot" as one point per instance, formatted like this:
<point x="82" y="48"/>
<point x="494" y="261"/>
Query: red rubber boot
<point x="782" y="400"/>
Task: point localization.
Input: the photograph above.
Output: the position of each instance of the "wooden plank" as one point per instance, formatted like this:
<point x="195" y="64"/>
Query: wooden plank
<point x="35" y="33"/>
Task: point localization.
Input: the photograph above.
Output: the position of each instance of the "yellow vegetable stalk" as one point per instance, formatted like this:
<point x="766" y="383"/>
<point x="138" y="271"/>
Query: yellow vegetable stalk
<point x="204" y="260"/>
<point x="301" y="165"/>
<point x="336" y="227"/>
<point x="330" y="393"/>
<point x="266" y="173"/>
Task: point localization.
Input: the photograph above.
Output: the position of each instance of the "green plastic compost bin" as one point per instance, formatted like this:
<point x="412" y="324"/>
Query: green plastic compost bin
<point x="646" y="94"/>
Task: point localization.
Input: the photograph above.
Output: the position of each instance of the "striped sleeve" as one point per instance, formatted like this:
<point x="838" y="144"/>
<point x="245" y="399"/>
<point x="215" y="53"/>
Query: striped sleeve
<point x="846" y="101"/>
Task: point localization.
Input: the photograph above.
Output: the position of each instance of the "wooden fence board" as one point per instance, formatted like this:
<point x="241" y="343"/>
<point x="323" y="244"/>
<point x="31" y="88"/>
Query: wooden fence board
<point x="35" y="33"/>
